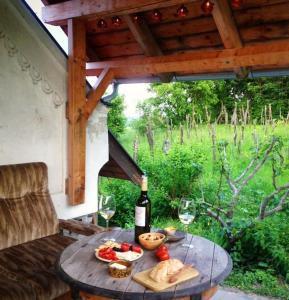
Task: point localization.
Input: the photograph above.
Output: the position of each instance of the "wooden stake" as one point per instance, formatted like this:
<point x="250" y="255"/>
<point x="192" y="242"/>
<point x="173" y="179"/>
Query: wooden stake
<point x="181" y="134"/>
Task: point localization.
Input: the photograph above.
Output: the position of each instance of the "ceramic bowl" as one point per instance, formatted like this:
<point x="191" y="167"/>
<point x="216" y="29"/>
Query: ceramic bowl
<point x="151" y="240"/>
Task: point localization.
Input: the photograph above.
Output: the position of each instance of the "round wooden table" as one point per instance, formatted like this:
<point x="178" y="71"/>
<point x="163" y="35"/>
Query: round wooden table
<point x="79" y="267"/>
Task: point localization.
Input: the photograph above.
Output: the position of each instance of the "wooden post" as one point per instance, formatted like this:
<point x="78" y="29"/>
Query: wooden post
<point x="76" y="106"/>
<point x="80" y="108"/>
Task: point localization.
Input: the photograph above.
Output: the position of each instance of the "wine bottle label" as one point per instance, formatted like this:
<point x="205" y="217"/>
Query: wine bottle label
<point x="140" y="216"/>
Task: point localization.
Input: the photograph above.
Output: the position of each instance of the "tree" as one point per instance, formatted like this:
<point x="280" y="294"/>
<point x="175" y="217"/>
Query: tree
<point x="175" y="101"/>
<point x="115" y="117"/>
<point x="259" y="91"/>
<point x="270" y="204"/>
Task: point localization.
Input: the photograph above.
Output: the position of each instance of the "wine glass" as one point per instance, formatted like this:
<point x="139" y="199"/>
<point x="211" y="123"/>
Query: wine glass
<point x="106" y="207"/>
<point x="187" y="213"/>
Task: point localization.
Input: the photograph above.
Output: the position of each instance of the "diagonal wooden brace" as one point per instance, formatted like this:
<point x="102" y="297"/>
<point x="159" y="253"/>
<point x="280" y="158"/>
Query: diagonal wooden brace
<point x="94" y="96"/>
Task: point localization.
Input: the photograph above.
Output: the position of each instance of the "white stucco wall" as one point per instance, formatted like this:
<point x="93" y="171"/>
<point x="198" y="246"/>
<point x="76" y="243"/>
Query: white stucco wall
<point x="33" y="126"/>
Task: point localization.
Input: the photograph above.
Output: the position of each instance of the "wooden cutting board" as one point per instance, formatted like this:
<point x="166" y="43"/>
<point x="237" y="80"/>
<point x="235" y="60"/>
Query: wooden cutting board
<point x="144" y="279"/>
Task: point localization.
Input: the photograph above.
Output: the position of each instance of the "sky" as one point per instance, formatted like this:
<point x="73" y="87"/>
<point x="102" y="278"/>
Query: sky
<point x="133" y="93"/>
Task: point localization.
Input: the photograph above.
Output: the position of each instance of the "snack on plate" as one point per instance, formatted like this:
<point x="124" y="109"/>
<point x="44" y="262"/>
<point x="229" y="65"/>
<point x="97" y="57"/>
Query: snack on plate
<point x="112" y="251"/>
<point x="170" y="230"/>
<point x="119" y="269"/>
<point x="107" y="254"/>
<point x="109" y="244"/>
<point x="163" y="270"/>
<point x="129" y="255"/>
<point x="151" y="240"/>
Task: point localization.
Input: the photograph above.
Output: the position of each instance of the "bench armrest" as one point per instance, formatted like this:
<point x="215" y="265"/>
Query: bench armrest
<point x="79" y="228"/>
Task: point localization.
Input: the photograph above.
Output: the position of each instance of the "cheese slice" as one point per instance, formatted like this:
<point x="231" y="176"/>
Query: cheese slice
<point x="129" y="255"/>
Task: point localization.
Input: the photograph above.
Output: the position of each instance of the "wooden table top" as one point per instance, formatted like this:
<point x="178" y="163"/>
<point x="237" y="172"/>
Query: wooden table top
<point x="79" y="267"/>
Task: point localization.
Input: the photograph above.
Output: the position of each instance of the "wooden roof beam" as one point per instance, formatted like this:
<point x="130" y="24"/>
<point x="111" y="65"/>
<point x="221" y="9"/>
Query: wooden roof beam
<point x="58" y="14"/>
<point x="147" y="42"/>
<point x="228" y="30"/>
<point x="274" y="54"/>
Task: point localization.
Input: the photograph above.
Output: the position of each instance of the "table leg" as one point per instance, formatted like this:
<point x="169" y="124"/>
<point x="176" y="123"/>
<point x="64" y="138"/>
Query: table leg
<point x="193" y="297"/>
<point x="196" y="297"/>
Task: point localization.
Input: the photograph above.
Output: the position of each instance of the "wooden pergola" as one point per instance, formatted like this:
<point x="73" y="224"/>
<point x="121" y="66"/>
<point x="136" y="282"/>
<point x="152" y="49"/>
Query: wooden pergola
<point x="250" y="38"/>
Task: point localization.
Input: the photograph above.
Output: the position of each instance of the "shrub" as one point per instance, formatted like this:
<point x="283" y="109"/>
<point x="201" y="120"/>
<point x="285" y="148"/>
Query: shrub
<point x="171" y="177"/>
<point x="266" y="245"/>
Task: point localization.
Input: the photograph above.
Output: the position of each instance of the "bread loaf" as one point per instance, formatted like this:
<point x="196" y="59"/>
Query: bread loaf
<point x="164" y="269"/>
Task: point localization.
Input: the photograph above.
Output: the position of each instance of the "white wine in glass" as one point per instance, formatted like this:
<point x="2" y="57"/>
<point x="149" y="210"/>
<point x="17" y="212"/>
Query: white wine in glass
<point x="187" y="214"/>
<point x="106" y="207"/>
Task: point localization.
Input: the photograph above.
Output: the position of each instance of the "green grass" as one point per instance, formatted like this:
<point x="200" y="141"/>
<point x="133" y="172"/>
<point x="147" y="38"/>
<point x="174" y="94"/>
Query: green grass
<point x="201" y="141"/>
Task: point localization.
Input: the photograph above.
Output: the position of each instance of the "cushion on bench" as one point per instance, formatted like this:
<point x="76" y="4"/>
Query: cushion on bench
<point x="26" y="209"/>
<point x="27" y="271"/>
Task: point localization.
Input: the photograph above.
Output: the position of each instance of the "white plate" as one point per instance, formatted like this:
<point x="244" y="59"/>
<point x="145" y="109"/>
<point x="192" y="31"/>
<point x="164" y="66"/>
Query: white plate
<point x="120" y="257"/>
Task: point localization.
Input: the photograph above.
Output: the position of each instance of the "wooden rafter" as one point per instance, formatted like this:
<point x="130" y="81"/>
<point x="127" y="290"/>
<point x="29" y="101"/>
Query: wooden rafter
<point x="143" y="36"/>
<point x="225" y="23"/>
<point x="76" y="105"/>
<point x="146" y="40"/>
<point x="269" y="55"/>
<point x="228" y="30"/>
<point x="58" y="14"/>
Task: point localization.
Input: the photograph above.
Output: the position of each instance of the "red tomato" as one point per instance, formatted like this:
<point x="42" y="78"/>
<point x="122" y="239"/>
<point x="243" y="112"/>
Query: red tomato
<point x="160" y="250"/>
<point x="125" y="247"/>
<point x="163" y="247"/>
<point x="136" y="248"/>
<point x="107" y="253"/>
<point x="105" y="250"/>
<point x="164" y="256"/>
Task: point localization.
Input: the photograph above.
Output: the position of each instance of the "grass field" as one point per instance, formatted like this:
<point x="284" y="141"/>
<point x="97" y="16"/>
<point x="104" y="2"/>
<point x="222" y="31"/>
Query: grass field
<point x="262" y="277"/>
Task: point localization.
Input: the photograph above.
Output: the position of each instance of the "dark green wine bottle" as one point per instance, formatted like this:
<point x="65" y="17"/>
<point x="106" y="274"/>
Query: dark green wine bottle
<point x="143" y="211"/>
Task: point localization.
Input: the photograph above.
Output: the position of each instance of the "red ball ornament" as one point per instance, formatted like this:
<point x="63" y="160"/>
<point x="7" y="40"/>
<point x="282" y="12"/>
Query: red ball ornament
<point x="157" y="15"/>
<point x="136" y="18"/>
<point x="116" y="21"/>
<point x="101" y="24"/>
<point x="237" y="3"/>
<point x="182" y="11"/>
<point x="207" y="6"/>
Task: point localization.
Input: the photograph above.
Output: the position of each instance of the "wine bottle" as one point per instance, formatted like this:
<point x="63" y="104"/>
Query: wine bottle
<point x="143" y="211"/>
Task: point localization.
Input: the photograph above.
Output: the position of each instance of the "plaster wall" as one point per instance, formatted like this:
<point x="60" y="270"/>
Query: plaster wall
<point x="33" y="127"/>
